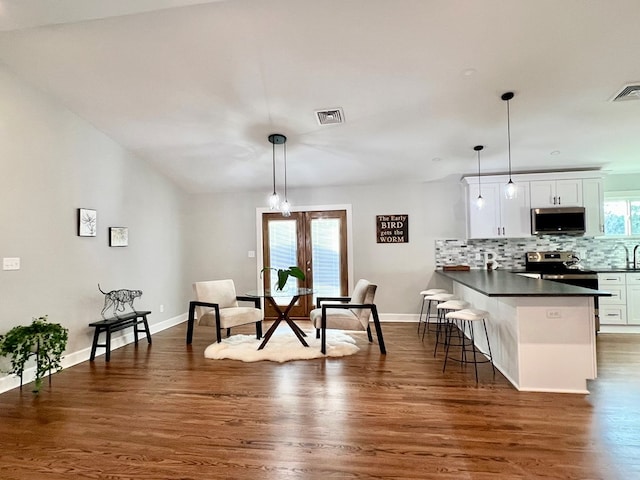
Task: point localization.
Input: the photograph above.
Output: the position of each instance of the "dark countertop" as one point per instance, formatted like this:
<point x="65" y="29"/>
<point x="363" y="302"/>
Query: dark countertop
<point x="616" y="270"/>
<point x="499" y="283"/>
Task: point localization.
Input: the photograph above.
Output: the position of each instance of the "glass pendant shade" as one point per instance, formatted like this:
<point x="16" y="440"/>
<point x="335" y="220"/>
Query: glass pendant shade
<point x="274" y="201"/>
<point x="510" y="190"/>
<point x="285" y="208"/>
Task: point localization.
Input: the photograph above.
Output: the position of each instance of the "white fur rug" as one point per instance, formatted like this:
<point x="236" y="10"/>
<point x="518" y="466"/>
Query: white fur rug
<point x="282" y="347"/>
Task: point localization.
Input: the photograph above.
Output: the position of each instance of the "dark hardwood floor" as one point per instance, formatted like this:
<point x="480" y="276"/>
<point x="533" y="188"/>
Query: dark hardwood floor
<point x="165" y="412"/>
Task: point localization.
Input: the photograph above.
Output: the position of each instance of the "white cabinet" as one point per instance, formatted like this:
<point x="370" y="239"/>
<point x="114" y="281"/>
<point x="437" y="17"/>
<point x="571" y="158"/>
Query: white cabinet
<point x="623" y="307"/>
<point x="613" y="309"/>
<point x="593" y="201"/>
<point x="556" y="193"/>
<point x="633" y="298"/>
<point x="499" y="217"/>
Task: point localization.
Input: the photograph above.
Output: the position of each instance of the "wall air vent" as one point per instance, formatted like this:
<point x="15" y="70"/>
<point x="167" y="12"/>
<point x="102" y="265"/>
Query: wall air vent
<point x="330" y="117"/>
<point x="629" y="92"/>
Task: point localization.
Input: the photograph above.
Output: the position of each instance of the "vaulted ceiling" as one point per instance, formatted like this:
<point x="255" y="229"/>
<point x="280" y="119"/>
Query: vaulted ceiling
<point x="196" y="87"/>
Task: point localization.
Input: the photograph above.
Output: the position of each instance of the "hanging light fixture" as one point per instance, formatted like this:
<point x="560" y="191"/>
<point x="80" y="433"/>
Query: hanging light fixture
<point x="479" y="200"/>
<point x="510" y="189"/>
<point x="275" y="139"/>
<point x="285" y="208"/>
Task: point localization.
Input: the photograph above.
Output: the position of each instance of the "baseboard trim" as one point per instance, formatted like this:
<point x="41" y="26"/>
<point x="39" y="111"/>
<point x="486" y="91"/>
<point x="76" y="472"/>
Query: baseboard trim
<point x="9" y="382"/>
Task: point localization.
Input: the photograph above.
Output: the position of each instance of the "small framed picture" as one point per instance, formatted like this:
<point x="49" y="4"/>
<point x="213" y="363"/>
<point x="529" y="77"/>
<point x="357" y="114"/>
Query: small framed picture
<point x="87" y="222"/>
<point x="118" y="236"/>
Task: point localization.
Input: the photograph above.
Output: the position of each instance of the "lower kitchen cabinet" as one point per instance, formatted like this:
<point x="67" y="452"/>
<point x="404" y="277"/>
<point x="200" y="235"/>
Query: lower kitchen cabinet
<point x="633" y="298"/>
<point x="623" y="306"/>
<point x="613" y="309"/>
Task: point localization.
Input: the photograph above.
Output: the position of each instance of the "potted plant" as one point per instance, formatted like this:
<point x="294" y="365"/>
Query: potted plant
<point x="46" y="341"/>
<point x="285" y="273"/>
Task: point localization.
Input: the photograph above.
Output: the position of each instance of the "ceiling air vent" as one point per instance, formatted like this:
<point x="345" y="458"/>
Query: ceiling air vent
<point x="630" y="92"/>
<point x="330" y="117"/>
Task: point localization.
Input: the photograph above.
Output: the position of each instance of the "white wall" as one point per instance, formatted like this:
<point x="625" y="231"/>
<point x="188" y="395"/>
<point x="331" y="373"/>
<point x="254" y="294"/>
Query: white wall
<point x="51" y="163"/>
<point x="222" y="230"/>
<point x="626" y="182"/>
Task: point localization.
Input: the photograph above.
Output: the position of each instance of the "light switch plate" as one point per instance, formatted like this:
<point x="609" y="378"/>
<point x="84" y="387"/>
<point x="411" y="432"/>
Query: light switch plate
<point x="11" y="263"/>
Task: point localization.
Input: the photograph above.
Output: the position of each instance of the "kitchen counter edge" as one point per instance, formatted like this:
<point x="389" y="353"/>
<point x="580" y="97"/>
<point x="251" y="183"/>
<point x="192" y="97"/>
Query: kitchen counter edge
<point x="497" y="283"/>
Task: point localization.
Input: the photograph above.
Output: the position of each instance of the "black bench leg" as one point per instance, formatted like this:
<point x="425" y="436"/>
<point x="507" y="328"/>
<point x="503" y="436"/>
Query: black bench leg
<point x="146" y="328"/>
<point x="107" y="357"/>
<point x="96" y="334"/>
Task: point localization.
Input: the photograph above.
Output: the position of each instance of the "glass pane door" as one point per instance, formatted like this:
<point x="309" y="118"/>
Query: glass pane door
<point x="314" y="241"/>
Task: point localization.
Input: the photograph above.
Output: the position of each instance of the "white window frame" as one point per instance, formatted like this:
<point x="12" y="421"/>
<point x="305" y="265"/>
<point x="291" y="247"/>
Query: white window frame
<point x="628" y="196"/>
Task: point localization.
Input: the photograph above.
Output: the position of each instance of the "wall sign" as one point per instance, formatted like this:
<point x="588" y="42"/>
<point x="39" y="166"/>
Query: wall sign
<point x="392" y="228"/>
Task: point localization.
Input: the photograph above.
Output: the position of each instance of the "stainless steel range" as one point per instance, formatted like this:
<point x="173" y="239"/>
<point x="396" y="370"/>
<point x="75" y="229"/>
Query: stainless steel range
<point x="563" y="267"/>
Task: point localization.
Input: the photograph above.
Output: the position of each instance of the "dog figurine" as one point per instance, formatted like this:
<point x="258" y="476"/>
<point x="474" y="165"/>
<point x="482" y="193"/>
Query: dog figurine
<point x="119" y="299"/>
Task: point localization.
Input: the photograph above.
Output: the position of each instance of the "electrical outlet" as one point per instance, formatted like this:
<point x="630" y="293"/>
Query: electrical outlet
<point x="553" y="313"/>
<point x="161" y="308"/>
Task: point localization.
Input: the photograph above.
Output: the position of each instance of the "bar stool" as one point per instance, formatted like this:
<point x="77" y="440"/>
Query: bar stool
<point x="467" y="317"/>
<point x="438" y="298"/>
<point x="444" y="308"/>
<point x="425" y="294"/>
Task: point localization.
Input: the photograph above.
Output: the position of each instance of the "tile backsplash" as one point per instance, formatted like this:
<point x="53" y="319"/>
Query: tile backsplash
<point x="509" y="252"/>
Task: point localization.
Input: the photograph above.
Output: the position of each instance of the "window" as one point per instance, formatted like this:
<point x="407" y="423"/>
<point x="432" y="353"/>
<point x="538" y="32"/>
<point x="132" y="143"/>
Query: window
<point x="622" y="214"/>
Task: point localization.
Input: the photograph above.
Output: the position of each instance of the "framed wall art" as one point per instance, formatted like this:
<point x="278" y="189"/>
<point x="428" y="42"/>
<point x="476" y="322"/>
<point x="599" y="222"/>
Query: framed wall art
<point x="118" y="236"/>
<point x="87" y="222"/>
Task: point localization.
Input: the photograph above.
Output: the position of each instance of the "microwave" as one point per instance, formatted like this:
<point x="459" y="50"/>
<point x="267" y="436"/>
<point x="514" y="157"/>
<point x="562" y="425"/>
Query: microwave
<point x="561" y="220"/>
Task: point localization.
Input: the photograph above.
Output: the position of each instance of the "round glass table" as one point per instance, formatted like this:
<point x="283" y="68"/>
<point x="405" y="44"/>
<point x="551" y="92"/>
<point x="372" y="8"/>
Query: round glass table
<point x="270" y="295"/>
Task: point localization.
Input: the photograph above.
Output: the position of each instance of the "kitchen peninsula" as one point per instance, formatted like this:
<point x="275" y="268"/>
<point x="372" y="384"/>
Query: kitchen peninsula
<point x="542" y="333"/>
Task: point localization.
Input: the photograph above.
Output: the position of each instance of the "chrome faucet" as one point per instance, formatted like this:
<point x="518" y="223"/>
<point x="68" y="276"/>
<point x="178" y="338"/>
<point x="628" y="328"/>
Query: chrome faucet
<point x="635" y="265"/>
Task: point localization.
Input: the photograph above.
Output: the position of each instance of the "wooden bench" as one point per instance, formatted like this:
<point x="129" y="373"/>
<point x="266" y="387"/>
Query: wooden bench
<point x="114" y="324"/>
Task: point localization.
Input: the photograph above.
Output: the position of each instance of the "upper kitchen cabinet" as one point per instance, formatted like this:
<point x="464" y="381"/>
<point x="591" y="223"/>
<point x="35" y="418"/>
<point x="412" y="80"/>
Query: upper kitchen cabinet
<point x="502" y="218"/>
<point x="556" y="193"/>
<point x="593" y="202"/>
<point x="499" y="217"/>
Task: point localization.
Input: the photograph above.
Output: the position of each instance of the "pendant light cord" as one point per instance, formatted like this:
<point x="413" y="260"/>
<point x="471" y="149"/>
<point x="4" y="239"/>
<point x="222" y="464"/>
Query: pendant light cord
<point x="273" y="165"/>
<point x="509" y="136"/>
<point x="285" y="170"/>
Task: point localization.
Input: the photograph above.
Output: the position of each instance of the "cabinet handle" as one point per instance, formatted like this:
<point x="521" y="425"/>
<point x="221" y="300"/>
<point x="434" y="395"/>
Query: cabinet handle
<point x="554" y="200"/>
<point x="498" y="230"/>
<point x="503" y="231"/>
<point x="612" y="314"/>
<point x="559" y="202"/>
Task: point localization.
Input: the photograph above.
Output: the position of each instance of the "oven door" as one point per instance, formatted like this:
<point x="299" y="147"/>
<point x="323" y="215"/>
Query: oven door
<point x="586" y="280"/>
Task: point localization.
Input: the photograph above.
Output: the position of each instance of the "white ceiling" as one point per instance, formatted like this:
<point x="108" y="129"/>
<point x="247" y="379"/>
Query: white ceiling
<point x="195" y="87"/>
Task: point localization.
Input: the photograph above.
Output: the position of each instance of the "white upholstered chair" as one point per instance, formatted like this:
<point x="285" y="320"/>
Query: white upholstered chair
<point x="352" y="314"/>
<point x="217" y="305"/>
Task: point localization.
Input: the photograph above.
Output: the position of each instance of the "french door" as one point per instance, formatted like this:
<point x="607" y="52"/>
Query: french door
<point x="316" y="242"/>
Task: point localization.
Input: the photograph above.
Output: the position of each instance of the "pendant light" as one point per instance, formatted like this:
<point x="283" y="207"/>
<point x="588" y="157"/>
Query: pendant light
<point x="510" y="189"/>
<point x="479" y="200"/>
<point x="285" y="208"/>
<point x="275" y="139"/>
